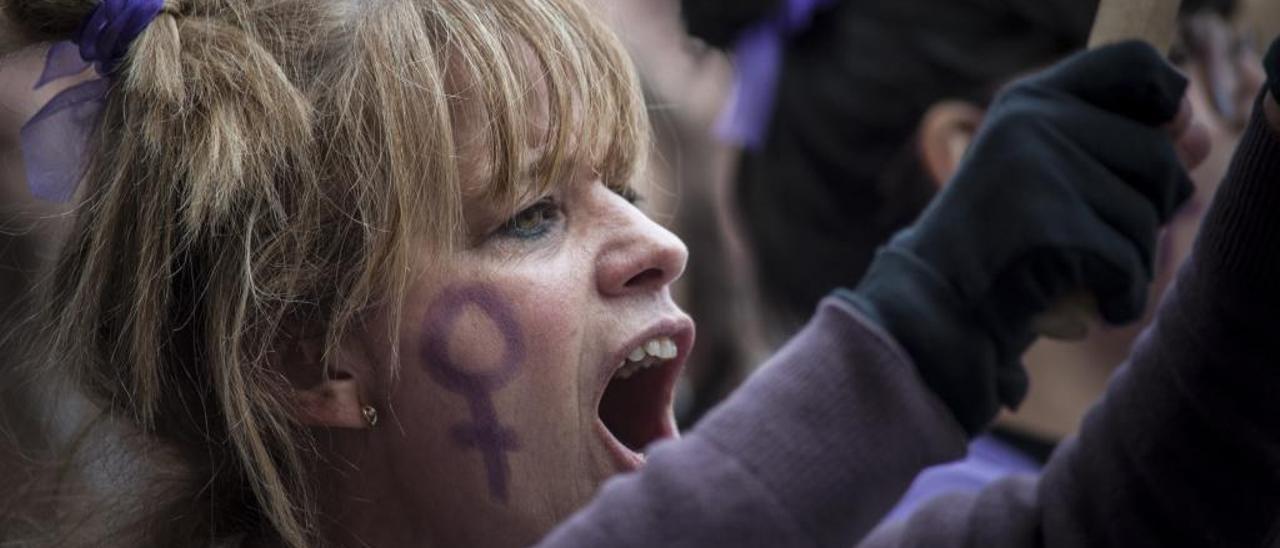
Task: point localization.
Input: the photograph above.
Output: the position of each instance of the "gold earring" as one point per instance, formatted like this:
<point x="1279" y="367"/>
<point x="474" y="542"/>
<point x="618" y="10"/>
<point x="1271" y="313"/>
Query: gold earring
<point x="370" y="415"/>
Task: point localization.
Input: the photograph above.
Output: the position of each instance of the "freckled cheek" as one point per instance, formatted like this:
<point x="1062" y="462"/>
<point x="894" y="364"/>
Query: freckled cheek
<point x="555" y="338"/>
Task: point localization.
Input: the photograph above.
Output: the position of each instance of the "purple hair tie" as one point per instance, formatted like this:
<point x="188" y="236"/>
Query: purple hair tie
<point x="757" y="61"/>
<point x="55" y="140"/>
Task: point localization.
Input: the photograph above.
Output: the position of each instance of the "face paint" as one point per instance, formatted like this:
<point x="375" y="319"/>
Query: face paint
<point x="484" y="433"/>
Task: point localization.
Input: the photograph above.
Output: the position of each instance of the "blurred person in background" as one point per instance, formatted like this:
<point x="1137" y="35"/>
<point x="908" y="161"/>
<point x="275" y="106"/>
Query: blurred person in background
<point x="874" y="107"/>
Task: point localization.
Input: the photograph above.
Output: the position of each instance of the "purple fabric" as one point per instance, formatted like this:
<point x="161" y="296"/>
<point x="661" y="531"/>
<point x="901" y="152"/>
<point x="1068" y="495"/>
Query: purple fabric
<point x="106" y="34"/>
<point x="989" y="460"/>
<point x="55" y="141"/>
<point x="62" y="60"/>
<point x="757" y="62"/>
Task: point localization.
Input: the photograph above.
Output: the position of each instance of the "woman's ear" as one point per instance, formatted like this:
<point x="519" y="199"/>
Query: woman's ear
<point x="330" y="397"/>
<point x="946" y="130"/>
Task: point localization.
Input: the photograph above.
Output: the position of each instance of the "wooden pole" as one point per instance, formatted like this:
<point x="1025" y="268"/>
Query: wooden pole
<point x="1152" y="21"/>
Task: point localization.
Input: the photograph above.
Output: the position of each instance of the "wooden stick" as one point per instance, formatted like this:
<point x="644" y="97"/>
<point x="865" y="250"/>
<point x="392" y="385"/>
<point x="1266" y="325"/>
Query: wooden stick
<point x="1152" y="21"/>
<point x="1155" y="22"/>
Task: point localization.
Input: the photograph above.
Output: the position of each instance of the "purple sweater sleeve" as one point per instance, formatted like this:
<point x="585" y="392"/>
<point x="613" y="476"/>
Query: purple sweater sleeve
<point x="811" y="451"/>
<point x="1184" y="448"/>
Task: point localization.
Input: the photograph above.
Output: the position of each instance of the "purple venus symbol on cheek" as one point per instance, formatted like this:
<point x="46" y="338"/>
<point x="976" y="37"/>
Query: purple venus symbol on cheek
<point x="484" y="432"/>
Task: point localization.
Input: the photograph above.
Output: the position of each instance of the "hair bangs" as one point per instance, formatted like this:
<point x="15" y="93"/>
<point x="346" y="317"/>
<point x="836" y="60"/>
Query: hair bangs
<point x="554" y="94"/>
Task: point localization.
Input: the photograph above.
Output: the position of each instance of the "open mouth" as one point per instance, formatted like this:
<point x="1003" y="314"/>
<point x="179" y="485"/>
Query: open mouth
<point x="635" y="408"/>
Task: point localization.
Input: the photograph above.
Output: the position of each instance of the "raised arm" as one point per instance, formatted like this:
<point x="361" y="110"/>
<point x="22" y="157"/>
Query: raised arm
<point x="889" y="378"/>
<point x="1185" y="446"/>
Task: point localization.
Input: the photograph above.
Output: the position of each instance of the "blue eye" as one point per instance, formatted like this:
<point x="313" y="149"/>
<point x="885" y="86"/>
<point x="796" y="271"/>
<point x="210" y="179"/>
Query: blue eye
<point x="532" y="222"/>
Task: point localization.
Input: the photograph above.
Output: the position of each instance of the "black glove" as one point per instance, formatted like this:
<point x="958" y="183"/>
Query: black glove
<point x="1064" y="189"/>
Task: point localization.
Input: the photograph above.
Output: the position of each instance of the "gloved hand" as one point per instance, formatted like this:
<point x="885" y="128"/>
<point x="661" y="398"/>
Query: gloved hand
<point x="1064" y="189"/>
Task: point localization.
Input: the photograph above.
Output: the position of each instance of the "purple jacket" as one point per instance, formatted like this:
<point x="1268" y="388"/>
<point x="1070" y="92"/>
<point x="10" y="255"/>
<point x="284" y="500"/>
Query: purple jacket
<point x="1183" y="450"/>
<point x="989" y="459"/>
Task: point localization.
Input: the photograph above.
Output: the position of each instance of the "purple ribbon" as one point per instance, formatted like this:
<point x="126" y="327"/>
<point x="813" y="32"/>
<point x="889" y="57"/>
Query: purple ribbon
<point x="55" y="140"/>
<point x="758" y="60"/>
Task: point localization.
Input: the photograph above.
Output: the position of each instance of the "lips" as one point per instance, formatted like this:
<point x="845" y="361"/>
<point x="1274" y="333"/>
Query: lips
<point x="635" y="398"/>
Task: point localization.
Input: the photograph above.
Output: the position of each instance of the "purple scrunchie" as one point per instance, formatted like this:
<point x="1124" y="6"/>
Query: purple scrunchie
<point x="55" y="140"/>
<point x="106" y="35"/>
<point x="757" y="61"/>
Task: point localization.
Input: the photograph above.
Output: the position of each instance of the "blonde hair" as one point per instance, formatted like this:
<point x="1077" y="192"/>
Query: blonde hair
<point x="263" y="164"/>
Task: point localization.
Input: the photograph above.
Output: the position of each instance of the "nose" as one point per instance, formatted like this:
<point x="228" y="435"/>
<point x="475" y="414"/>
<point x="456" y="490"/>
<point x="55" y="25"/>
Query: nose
<point x="639" y="257"/>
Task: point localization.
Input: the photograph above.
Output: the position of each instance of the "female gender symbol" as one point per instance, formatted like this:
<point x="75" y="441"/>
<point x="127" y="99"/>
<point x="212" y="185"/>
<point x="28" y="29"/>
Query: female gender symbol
<point x="485" y="433"/>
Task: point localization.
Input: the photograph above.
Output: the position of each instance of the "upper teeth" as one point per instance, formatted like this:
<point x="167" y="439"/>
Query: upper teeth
<point x="661" y="348"/>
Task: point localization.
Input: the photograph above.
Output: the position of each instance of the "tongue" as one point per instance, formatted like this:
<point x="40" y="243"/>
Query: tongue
<point x="631" y="408"/>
